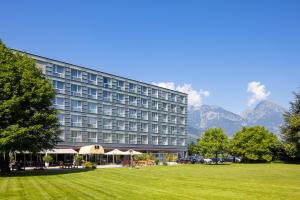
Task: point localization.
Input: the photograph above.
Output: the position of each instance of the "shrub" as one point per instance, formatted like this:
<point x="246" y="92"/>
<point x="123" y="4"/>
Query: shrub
<point x="47" y="158"/>
<point x="171" y="158"/>
<point x="88" y="165"/>
<point x="78" y="159"/>
<point x="157" y="161"/>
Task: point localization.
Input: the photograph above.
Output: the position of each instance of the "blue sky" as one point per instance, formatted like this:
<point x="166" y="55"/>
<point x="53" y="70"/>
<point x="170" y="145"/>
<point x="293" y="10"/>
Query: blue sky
<point x="217" y="46"/>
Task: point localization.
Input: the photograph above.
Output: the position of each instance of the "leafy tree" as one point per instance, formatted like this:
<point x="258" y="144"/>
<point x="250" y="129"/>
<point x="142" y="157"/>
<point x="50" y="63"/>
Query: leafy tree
<point x="291" y="129"/>
<point x="193" y="148"/>
<point x="213" y="142"/>
<point x="254" y="144"/>
<point x="28" y="122"/>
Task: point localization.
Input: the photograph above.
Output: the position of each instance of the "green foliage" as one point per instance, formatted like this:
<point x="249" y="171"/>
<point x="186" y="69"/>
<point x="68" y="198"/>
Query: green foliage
<point x="170" y="157"/>
<point x="28" y="122"/>
<point x="78" y="159"/>
<point x="213" y="142"/>
<point x="254" y="144"/>
<point x="144" y="156"/>
<point x="193" y="148"/>
<point x="88" y="165"/>
<point x="291" y="129"/>
<point x="47" y="158"/>
<point x="157" y="161"/>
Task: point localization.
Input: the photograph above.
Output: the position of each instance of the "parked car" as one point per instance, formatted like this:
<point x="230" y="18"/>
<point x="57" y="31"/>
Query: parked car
<point x="196" y="160"/>
<point x="217" y="160"/>
<point x="183" y="160"/>
<point x="233" y="159"/>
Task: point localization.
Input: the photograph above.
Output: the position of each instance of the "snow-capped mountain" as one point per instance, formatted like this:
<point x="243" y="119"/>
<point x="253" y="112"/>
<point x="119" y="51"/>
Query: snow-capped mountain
<point x="266" y="114"/>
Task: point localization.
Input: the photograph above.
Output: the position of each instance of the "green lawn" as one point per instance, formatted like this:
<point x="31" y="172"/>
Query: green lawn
<point x="235" y="181"/>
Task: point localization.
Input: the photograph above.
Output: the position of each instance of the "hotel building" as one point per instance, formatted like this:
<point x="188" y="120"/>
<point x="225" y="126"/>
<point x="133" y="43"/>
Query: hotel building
<point x="115" y="112"/>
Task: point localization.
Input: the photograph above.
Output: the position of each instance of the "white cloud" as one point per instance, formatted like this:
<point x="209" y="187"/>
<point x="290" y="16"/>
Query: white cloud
<point x="194" y="96"/>
<point x="258" y="91"/>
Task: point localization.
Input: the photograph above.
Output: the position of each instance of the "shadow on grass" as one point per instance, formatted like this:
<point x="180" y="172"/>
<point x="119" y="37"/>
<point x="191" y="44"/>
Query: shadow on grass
<point x="44" y="172"/>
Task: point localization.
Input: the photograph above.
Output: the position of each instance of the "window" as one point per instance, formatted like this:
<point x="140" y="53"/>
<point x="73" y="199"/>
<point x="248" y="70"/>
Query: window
<point x="76" y="105"/>
<point x="120" y="125"/>
<point x="164" y="117"/>
<point x="144" y="115"/>
<point x="144" y="90"/>
<point x="164" y="129"/>
<point x="173" y="108"/>
<point x="120" y="98"/>
<point x="154" y="93"/>
<point x="155" y="116"/>
<point x="144" y="127"/>
<point x="164" y="95"/>
<point x="107" y="123"/>
<point x="107" y="110"/>
<point x="173" y="130"/>
<point x="75" y="90"/>
<point x="165" y="106"/>
<point x="59" y="70"/>
<point x="76" y="136"/>
<point x="120" y="85"/>
<point x="92" y="122"/>
<point x="92" y="92"/>
<point x="106" y="82"/>
<point x="182" y="109"/>
<point x="58" y="86"/>
<point x="132" y="126"/>
<point x="173" y="119"/>
<point x="92" y="136"/>
<point x="173" y="97"/>
<point x="132" y="100"/>
<point x="173" y="141"/>
<point x="181" y="141"/>
<point x="181" y="120"/>
<point x="154" y="128"/>
<point x="92" y="107"/>
<point x="93" y="78"/>
<point x="76" y="120"/>
<point x="181" y="131"/>
<point x="59" y="102"/>
<point x="164" y="141"/>
<point x="132" y="113"/>
<point x="107" y="137"/>
<point x="144" y="103"/>
<point x="120" y="112"/>
<point x="132" y="139"/>
<point x="61" y="119"/>
<point x="144" y="139"/>
<point x="132" y="87"/>
<point x="155" y="105"/>
<point x="120" y="138"/>
<point x="106" y="96"/>
<point x="75" y="74"/>
<point x="155" y="140"/>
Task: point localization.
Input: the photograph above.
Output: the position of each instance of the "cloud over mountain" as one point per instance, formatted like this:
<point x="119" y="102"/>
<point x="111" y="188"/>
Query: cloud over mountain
<point x="258" y="91"/>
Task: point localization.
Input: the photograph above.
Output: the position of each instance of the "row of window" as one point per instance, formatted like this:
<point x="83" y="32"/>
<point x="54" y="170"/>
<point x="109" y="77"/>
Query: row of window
<point x="132" y="87"/>
<point x="76" y="136"/>
<point x="92" y="122"/>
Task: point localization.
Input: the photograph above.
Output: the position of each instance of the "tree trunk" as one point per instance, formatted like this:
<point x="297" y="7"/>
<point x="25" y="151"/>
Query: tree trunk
<point x="4" y="162"/>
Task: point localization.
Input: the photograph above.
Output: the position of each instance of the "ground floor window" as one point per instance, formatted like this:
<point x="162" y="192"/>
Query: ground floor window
<point x="76" y="136"/>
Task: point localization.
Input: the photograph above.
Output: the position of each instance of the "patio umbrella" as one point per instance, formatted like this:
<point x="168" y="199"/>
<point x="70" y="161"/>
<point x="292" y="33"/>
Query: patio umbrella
<point x="132" y="152"/>
<point x="115" y="152"/>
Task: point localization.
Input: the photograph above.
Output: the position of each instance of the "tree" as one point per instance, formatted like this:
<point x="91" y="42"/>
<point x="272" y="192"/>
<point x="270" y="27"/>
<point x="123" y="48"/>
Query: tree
<point x="28" y="122"/>
<point x="254" y="144"/>
<point x="213" y="142"/>
<point x="291" y="129"/>
<point x="193" y="148"/>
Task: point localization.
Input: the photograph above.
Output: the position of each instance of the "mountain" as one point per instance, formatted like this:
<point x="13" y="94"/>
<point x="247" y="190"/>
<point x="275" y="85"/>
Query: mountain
<point x="265" y="113"/>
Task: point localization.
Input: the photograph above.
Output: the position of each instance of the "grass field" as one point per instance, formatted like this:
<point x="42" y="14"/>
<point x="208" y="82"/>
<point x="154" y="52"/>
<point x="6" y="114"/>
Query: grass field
<point x="235" y="181"/>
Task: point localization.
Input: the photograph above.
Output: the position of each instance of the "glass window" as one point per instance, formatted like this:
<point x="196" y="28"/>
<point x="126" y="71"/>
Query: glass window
<point x="173" y="119"/>
<point x="92" y="137"/>
<point x="132" y="100"/>
<point x="164" y="129"/>
<point x="132" y="87"/>
<point x="154" y="93"/>
<point x="164" y="141"/>
<point x="76" y="120"/>
<point x="107" y="110"/>
<point x="164" y="118"/>
<point x="144" y="127"/>
<point x="132" y="113"/>
<point x="120" y="125"/>
<point x="120" y="98"/>
<point x="76" y="105"/>
<point x="155" y="140"/>
<point x="144" y="139"/>
<point x="154" y="128"/>
<point x="132" y="126"/>
<point x="132" y="139"/>
<point x="121" y="112"/>
<point x="106" y="82"/>
<point x="92" y="122"/>
<point x="93" y="78"/>
<point x="92" y="107"/>
<point x="155" y="116"/>
<point x="58" y="86"/>
<point x="59" y="69"/>
<point x="59" y="102"/>
<point x="107" y="137"/>
<point x="92" y="92"/>
<point x="144" y="102"/>
<point x="107" y="96"/>
<point x="144" y="115"/>
<point x="120" y="85"/>
<point x="173" y="130"/>
<point x="173" y="141"/>
<point x="75" y="73"/>
<point x="107" y="123"/>
<point x="76" y="136"/>
<point x="120" y="138"/>
<point x="155" y="105"/>
<point x="75" y="89"/>
<point x="144" y="90"/>
<point x="61" y="119"/>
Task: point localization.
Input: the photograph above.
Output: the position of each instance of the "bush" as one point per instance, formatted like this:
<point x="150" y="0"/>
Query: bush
<point x="88" y="165"/>
<point x="171" y="157"/>
<point x="47" y="158"/>
<point x="157" y="161"/>
<point x="78" y="159"/>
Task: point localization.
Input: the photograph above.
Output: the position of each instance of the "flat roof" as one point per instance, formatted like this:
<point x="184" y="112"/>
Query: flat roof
<point x="24" y="52"/>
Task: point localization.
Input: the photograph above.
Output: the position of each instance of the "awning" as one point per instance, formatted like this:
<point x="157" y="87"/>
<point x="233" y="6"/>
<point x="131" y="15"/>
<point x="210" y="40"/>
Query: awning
<point x="91" y="149"/>
<point x="60" y="151"/>
<point x="116" y="152"/>
<point x="133" y="152"/>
